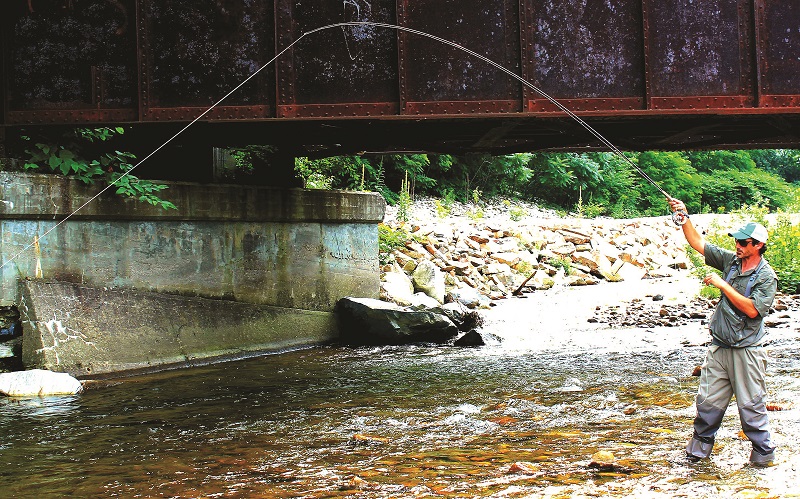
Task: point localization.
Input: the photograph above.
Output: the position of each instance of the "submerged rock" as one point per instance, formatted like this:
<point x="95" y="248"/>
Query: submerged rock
<point x="470" y="339"/>
<point x="38" y="382"/>
<point x="367" y="321"/>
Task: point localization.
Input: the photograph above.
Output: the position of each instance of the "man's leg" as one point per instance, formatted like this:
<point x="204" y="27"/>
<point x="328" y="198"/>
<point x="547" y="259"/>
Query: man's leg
<point x="750" y="365"/>
<point x="713" y="396"/>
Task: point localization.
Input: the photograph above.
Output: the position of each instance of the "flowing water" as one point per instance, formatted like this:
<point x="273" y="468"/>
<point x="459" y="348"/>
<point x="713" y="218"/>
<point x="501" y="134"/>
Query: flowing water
<point x="417" y="421"/>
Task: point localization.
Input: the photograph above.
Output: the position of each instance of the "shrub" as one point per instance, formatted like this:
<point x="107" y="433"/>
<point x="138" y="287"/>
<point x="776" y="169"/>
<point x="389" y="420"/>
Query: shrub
<point x="783" y="253"/>
<point x="560" y="263"/>
<point x="389" y="239"/>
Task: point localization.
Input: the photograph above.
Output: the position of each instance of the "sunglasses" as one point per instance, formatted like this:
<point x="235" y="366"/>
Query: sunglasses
<point x="744" y="242"/>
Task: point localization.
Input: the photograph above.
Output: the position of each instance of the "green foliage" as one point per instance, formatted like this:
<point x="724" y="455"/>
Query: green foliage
<point x="525" y="268"/>
<point x="675" y="174"/>
<point x="700" y="270"/>
<point x="475" y="213"/>
<point x="794" y="200"/>
<point x="782" y="162"/>
<point x="783" y="248"/>
<point x="560" y="263"/>
<point x="711" y="161"/>
<point x="726" y="190"/>
<point x="783" y="253"/>
<point x="442" y="210"/>
<point x="445" y="206"/>
<point x="404" y="202"/>
<point x="562" y="178"/>
<point x="707" y="181"/>
<point x="515" y="212"/>
<point x="389" y="239"/>
<point x="492" y="175"/>
<point x="65" y="155"/>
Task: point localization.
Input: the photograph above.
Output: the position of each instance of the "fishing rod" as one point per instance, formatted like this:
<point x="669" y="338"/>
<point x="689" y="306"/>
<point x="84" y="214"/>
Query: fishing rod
<point x="679" y="217"/>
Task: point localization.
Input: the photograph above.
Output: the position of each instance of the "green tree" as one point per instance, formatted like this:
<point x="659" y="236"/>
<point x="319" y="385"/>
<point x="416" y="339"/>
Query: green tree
<point x="711" y="161"/>
<point x="616" y="192"/>
<point x="782" y="162"/>
<point x="675" y="174"/>
<point x="561" y="177"/>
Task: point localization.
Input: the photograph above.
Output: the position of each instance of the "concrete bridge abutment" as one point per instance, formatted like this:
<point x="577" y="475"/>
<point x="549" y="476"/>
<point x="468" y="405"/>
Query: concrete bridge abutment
<point x="235" y="271"/>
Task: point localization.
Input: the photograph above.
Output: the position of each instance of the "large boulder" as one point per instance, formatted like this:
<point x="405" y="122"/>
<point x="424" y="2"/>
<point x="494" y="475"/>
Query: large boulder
<point x="38" y="382"/>
<point x="366" y="321"/>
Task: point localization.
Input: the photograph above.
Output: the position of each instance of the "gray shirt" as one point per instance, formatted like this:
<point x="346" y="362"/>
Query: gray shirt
<point x="729" y="326"/>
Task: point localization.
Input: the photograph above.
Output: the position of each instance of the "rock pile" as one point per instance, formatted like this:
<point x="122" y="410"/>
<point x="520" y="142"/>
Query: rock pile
<point x="474" y="261"/>
<point x="652" y="312"/>
<point x="644" y="313"/>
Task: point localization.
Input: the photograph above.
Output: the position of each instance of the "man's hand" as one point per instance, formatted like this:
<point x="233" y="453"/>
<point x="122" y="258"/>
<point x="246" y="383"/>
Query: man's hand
<point x="694" y="239"/>
<point x="713" y="279"/>
<point x="677" y="205"/>
<point x="744" y="304"/>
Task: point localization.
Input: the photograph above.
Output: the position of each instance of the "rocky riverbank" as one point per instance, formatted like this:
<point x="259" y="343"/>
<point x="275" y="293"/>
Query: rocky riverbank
<point x="514" y="249"/>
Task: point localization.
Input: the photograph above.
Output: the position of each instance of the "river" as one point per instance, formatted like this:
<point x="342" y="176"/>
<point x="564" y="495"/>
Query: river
<point x="416" y="421"/>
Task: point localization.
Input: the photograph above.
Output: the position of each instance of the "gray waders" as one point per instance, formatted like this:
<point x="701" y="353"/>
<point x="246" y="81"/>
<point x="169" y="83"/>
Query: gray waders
<point x="728" y="372"/>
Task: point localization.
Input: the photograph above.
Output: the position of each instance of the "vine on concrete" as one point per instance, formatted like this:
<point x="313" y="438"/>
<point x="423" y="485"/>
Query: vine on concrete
<point x="66" y="156"/>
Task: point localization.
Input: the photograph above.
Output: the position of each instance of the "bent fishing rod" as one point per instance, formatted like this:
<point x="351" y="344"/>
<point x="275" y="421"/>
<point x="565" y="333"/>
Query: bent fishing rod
<point x="679" y="217"/>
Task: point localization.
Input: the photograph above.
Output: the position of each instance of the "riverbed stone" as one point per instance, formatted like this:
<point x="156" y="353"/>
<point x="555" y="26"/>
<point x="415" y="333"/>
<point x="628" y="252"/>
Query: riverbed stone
<point x="398" y="286"/>
<point x="470" y="339"/>
<point x="429" y="279"/>
<point x="469" y="297"/>
<point x="367" y="321"/>
<point x="38" y="383"/>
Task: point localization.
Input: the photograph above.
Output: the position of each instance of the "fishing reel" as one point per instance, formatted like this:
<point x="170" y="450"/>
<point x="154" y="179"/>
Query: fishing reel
<point x="680" y="217"/>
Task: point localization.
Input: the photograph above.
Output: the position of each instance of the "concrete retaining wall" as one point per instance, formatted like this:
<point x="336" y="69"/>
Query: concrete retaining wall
<point x="268" y="254"/>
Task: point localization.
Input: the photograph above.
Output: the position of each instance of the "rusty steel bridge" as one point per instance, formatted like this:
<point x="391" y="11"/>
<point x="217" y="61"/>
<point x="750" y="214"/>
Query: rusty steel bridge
<point x="647" y="74"/>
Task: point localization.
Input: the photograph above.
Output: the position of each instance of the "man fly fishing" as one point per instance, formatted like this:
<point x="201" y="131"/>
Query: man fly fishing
<point x="736" y="360"/>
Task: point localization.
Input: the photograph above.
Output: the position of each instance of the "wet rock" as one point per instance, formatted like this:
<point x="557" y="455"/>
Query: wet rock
<point x="778" y="407"/>
<point x="423" y="300"/>
<point x="470" y="339"/>
<point x="366" y="321"/>
<point x="469" y="297"/>
<point x="38" y="382"/>
<point x="602" y="459"/>
<point x="465" y="320"/>
<point x="523" y="467"/>
<point x="359" y="438"/>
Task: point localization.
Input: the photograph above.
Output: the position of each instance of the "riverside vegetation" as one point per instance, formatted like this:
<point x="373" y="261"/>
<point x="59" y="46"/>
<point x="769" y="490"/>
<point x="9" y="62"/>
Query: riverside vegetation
<point x="497" y="193"/>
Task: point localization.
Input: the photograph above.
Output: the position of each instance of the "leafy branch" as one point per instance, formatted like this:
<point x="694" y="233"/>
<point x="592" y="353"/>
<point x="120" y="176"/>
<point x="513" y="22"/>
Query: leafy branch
<point x="65" y="156"/>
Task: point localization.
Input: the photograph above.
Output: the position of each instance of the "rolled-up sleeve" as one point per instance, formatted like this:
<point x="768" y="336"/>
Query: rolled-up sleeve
<point x="763" y="292"/>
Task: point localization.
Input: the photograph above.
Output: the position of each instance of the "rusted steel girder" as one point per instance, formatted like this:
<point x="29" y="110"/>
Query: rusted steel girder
<point x="647" y="73"/>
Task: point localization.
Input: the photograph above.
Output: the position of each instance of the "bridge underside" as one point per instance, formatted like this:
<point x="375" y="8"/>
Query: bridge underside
<point x="327" y="78"/>
<point x="508" y="134"/>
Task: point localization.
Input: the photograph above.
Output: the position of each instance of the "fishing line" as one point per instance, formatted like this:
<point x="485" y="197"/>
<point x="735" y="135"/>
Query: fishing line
<point x="678" y="217"/>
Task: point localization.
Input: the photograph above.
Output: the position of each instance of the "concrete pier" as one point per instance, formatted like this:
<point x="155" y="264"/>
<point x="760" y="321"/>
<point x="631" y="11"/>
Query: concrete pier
<point x="236" y="270"/>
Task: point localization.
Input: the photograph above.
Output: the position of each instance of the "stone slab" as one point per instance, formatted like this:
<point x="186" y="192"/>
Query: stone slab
<point x="90" y="331"/>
